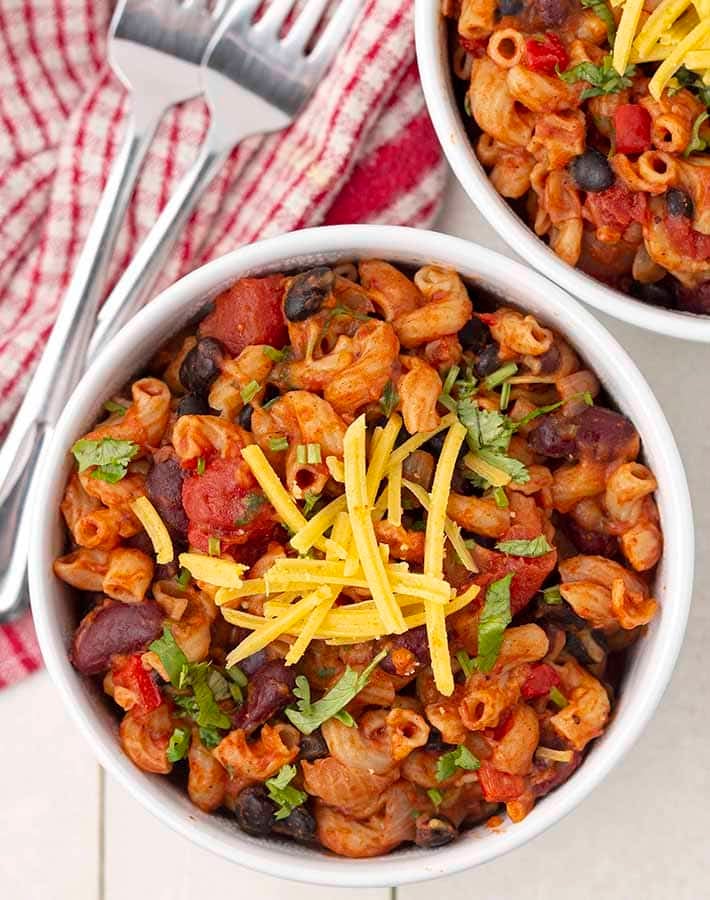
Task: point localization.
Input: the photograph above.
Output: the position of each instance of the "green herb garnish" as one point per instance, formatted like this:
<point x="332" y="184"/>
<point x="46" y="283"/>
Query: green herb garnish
<point x="171" y="656"/>
<point x="500" y="375"/>
<point x="184" y="577"/>
<point x="605" y="14"/>
<point x="604" y="79"/>
<point x="536" y="547"/>
<point x="109" y="457"/>
<point x="277" y="444"/>
<point x="558" y="698"/>
<point x="696" y="143"/>
<point x="459" y="758"/>
<point x="504" y="396"/>
<point x="489" y="435"/>
<point x="435" y="796"/>
<point x="252" y="504"/>
<point x="113" y="407"/>
<point x="282" y="792"/>
<point x="450" y="379"/>
<point x="552" y="595"/>
<point x="178" y="745"/>
<point x="201" y="465"/>
<point x="249" y="391"/>
<point x="500" y="497"/>
<point x="389" y="399"/>
<point x="468" y="666"/>
<point x="310" y="499"/>
<point x="273" y="354"/>
<point x="307" y="716"/>
<point x="214" y="547"/>
<point x="495" y="618"/>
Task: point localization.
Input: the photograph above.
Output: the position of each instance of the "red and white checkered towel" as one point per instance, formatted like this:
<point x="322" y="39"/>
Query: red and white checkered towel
<point x="364" y="151"/>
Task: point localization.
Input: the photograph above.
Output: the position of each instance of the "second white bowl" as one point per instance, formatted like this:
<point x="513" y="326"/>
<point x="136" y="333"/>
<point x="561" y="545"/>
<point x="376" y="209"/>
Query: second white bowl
<point x="435" y="72"/>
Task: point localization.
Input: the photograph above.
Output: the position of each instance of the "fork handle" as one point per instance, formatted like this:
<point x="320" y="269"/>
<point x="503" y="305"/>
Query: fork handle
<point x="134" y="287"/>
<point x="61" y="365"/>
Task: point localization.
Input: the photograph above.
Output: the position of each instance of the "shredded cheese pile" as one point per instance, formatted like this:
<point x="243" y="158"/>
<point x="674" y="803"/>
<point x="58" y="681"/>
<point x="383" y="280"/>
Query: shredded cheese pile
<point x="301" y="592"/>
<point x="677" y="33"/>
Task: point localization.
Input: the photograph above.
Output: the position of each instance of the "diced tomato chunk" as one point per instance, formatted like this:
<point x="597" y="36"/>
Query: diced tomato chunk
<point x="131" y="675"/>
<point x="529" y="573"/>
<point x="632" y="125"/>
<point x="497" y="786"/>
<point x="616" y="207"/>
<point x="225" y="502"/>
<point x="685" y="239"/>
<point x="546" y="55"/>
<point x="538" y="683"/>
<point x="250" y="312"/>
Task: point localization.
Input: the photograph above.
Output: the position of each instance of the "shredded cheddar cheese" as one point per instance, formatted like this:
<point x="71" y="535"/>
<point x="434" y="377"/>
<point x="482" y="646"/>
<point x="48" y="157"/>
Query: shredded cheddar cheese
<point x="221" y="573"/>
<point x="394" y="496"/>
<point x="271" y="485"/>
<point x="453" y="532"/>
<point x="676" y="33"/>
<point x="434" y="558"/>
<point x="356" y="491"/>
<point x="315" y="528"/>
<point x="159" y="535"/>
<point x="493" y="475"/>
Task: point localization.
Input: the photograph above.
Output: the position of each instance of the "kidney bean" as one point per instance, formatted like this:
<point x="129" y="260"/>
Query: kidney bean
<point x="202" y="365"/>
<point x="603" y="433"/>
<point x="550" y="360"/>
<point x="253" y="663"/>
<point x="254" y="811"/>
<point x="591" y="543"/>
<point x="307" y="293"/>
<point x="552" y="12"/>
<point x="164" y="487"/>
<point x="554" y="436"/>
<point x="114" y="627"/>
<point x="300" y="825"/>
<point x="194" y="405"/>
<point x="434" y="832"/>
<point x="270" y="689"/>
<point x="695" y="300"/>
<point x="554" y="776"/>
<point x="313" y="746"/>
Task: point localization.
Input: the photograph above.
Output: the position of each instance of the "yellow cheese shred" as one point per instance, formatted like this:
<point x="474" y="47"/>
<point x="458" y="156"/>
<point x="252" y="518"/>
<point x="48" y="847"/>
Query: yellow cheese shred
<point x="416" y="441"/>
<point x="673" y="62"/>
<point x="452" y="530"/>
<point x="493" y="475"/>
<point x="274" y="628"/>
<point x="222" y="573"/>
<point x="356" y="491"/>
<point x="316" y="527"/>
<point x="381" y="453"/>
<point x="310" y="628"/>
<point x="434" y="558"/>
<point x="159" y="535"/>
<point x="270" y="484"/>
<point x="335" y="467"/>
<point x="660" y="19"/>
<point x="394" y="496"/>
<point x="625" y="34"/>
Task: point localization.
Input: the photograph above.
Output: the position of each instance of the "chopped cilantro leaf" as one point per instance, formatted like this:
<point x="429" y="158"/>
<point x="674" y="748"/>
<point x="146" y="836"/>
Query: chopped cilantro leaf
<point x="389" y="399"/>
<point x="536" y="547"/>
<point x="184" y="577"/>
<point x="109" y="457"/>
<point x="282" y="792"/>
<point x="500" y="497"/>
<point x="467" y="664"/>
<point x="310" y="499"/>
<point x="500" y="375"/>
<point x="113" y="407"/>
<point x="552" y="595"/>
<point x="494" y="620"/>
<point x="178" y="745"/>
<point x="459" y="758"/>
<point x="558" y="698"/>
<point x="450" y="379"/>
<point x="696" y="143"/>
<point x="201" y="465"/>
<point x="603" y="79"/>
<point x="435" y="796"/>
<point x="308" y="716"/>
<point x="170" y="655"/>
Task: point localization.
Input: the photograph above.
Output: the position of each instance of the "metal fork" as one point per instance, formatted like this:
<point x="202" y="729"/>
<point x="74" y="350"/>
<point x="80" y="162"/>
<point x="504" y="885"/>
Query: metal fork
<point x="255" y="82"/>
<point x="155" y="47"/>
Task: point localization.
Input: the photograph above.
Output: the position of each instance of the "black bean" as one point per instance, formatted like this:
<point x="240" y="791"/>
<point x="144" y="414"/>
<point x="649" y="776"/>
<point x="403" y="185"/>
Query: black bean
<point x="245" y="416"/>
<point x="488" y="361"/>
<point x="254" y="811"/>
<point x="576" y="648"/>
<point x="193" y="405"/>
<point x="253" y="663"/>
<point x="300" y="825"/>
<point x="435" y="444"/>
<point x="307" y="293"/>
<point x="510" y="7"/>
<point x="201" y="365"/>
<point x="474" y="335"/>
<point x="164" y="488"/>
<point x="591" y="171"/>
<point x="659" y="293"/>
<point x="678" y="203"/>
<point x="434" y="832"/>
<point x="313" y="746"/>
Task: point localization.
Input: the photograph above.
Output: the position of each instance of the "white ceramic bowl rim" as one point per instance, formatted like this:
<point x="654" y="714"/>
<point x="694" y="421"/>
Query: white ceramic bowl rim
<point x="435" y="73"/>
<point x="166" y="314"/>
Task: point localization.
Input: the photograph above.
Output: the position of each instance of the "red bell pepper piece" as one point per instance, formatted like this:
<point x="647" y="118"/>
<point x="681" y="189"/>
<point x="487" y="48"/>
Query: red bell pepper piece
<point x="131" y="675"/>
<point x="546" y="55"/>
<point x="539" y="681"/>
<point x="497" y="786"/>
<point x="632" y="124"/>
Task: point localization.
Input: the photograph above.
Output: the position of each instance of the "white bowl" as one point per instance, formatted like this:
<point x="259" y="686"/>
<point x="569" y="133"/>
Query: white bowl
<point x="435" y="72"/>
<point x="650" y="669"/>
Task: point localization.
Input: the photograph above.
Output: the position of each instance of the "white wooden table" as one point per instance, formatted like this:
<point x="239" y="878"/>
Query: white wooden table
<point x="68" y="832"/>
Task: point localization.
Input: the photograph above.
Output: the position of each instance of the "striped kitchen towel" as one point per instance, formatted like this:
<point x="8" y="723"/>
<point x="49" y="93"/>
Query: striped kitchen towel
<point x="363" y="151"/>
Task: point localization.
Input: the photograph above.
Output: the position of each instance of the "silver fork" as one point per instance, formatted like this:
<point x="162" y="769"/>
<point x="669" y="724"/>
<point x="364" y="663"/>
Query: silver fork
<point x="255" y="82"/>
<point x="155" y="47"/>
